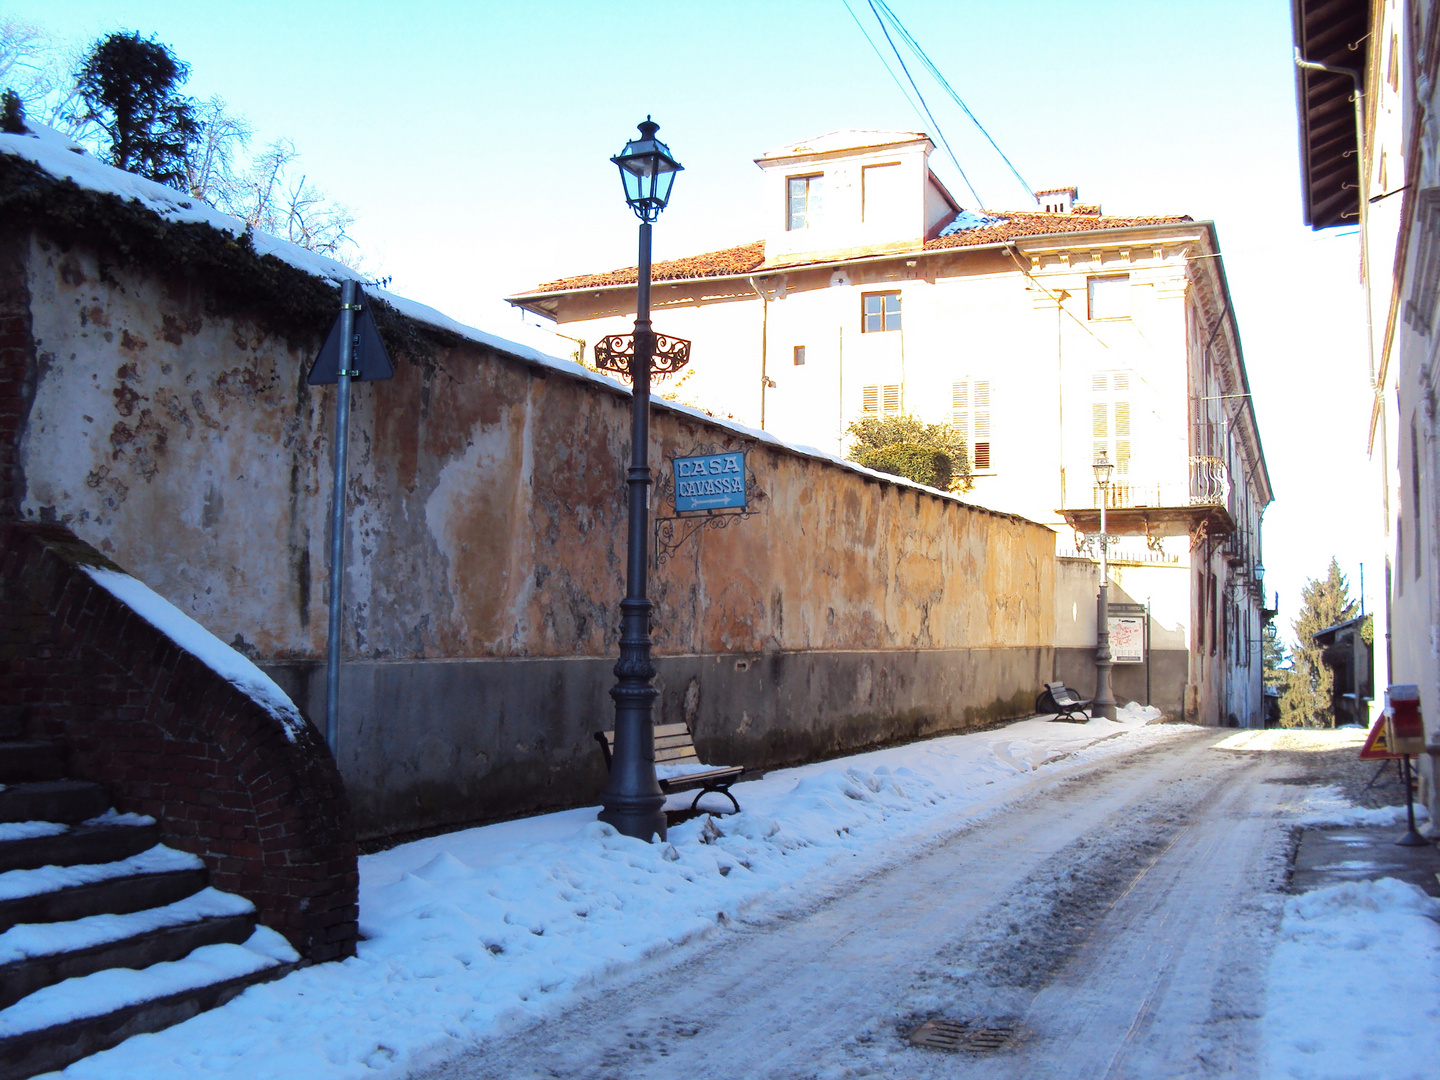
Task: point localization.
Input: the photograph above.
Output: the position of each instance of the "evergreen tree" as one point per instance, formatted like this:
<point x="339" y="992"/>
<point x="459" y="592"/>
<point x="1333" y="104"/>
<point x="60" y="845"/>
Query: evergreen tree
<point x="12" y="114"/>
<point x="128" y="87"/>
<point x="933" y="454"/>
<point x="1325" y="602"/>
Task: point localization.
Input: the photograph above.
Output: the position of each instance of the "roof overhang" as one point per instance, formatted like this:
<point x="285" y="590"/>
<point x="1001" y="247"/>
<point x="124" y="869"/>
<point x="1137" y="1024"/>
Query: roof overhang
<point x="547" y="302"/>
<point x="1334" y="33"/>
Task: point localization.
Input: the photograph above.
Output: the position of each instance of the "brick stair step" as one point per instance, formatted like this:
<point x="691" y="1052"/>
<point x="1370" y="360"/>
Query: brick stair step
<point x="48" y="1049"/>
<point x="22" y="760"/>
<point x="53" y="800"/>
<point x="80" y="844"/>
<point x="21" y="978"/>
<point x="118" y="895"/>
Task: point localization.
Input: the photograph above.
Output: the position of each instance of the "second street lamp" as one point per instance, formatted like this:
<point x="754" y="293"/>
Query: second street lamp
<point x="1104" y="703"/>
<point x="632" y="800"/>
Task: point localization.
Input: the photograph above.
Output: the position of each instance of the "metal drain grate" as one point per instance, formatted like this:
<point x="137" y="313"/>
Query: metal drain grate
<point x="941" y="1034"/>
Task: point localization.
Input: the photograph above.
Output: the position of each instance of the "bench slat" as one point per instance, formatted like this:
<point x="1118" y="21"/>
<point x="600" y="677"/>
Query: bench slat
<point x="671" y="729"/>
<point x="670" y="757"/>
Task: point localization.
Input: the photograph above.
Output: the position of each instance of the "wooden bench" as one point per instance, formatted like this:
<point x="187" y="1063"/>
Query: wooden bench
<point x="1059" y="698"/>
<point x="675" y="746"/>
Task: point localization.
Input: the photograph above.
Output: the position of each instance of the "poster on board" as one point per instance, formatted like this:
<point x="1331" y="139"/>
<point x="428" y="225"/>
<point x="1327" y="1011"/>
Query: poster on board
<point x="1127" y="639"/>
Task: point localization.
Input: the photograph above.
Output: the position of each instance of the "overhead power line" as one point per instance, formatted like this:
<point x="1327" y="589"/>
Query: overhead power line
<point x="883" y="15"/>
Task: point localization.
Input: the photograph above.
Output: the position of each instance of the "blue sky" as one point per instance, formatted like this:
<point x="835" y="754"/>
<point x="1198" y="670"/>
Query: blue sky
<point x="472" y="143"/>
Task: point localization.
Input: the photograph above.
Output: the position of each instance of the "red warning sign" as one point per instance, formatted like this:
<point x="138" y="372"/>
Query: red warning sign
<point x="1376" y="746"/>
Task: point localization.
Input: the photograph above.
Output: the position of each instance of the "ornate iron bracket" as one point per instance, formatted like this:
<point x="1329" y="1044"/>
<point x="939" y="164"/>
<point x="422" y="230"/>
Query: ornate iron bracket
<point x="616" y="354"/>
<point x="671" y="532"/>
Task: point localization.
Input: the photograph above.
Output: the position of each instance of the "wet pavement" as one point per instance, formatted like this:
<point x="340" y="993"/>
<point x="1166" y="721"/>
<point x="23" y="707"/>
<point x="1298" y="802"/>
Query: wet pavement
<point x="1332" y="854"/>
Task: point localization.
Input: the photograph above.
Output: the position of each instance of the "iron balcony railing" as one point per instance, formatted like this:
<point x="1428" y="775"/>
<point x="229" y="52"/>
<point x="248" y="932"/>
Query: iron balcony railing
<point x="1208" y="484"/>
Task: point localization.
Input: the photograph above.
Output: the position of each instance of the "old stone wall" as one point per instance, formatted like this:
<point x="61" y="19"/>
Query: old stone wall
<point x="486" y="551"/>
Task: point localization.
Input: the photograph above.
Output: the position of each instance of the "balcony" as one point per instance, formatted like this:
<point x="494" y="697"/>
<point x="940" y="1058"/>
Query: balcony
<point x="1197" y="506"/>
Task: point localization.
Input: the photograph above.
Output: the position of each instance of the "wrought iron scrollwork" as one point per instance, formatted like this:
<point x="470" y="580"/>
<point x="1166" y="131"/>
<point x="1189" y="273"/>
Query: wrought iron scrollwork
<point x="671" y="532"/>
<point x="616" y="353"/>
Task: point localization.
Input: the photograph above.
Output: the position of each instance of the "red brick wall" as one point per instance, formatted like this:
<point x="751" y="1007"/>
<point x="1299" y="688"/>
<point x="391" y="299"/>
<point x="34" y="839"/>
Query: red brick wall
<point x="172" y="739"/>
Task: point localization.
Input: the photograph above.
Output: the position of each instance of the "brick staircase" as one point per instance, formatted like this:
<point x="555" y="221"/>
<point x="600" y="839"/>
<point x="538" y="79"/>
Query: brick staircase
<point x="104" y="932"/>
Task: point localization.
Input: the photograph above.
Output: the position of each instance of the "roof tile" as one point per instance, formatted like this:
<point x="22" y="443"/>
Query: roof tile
<point x="747" y="258"/>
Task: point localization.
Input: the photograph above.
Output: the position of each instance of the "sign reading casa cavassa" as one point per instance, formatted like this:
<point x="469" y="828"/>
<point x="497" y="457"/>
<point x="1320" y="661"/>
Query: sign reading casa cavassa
<point x="710" y="482"/>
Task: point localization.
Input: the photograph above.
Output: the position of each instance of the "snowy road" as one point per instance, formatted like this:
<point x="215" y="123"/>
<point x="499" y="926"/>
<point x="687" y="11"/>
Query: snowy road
<point x="1118" y="917"/>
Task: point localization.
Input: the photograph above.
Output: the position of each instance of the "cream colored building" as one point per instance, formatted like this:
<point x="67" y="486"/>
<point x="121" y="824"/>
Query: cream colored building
<point x="1393" y="46"/>
<point x="1044" y="335"/>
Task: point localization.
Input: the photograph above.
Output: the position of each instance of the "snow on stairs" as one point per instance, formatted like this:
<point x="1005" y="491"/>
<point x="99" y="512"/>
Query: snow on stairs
<point x="104" y="932"/>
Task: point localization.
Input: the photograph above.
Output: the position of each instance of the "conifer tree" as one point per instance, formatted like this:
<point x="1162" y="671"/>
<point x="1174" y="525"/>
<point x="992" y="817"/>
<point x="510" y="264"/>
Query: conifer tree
<point x="1325" y="602"/>
<point x="12" y="114"/>
<point x="128" y="89"/>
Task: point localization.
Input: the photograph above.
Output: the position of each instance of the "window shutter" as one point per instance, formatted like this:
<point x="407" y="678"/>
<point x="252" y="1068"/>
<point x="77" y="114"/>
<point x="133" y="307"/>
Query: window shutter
<point x="892" y="398"/>
<point x="870" y="399"/>
<point x="980" y="425"/>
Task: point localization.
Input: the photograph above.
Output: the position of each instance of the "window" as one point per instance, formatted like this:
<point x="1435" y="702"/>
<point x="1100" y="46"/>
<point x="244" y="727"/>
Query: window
<point x="1414" y="498"/>
<point x="799" y="355"/>
<point x="1109" y="297"/>
<point x="1110" y="426"/>
<point x="880" y="400"/>
<point x="879" y="311"/>
<point x="970" y="414"/>
<point x="804" y="201"/>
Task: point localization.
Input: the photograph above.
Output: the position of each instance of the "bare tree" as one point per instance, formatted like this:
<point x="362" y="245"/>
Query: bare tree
<point x="211" y="166"/>
<point x="278" y="202"/>
<point x="41" y="70"/>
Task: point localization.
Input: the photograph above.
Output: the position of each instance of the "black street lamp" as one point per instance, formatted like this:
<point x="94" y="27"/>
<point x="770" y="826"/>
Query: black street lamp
<point x="1104" y="703"/>
<point x="632" y="800"/>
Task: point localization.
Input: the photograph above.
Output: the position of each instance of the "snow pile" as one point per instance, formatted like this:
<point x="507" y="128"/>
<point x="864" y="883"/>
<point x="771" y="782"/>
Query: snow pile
<point x="467" y="929"/>
<point x="193" y="638"/>
<point x="1352" y="986"/>
<point x="1329" y="806"/>
<point x="1135" y="713"/>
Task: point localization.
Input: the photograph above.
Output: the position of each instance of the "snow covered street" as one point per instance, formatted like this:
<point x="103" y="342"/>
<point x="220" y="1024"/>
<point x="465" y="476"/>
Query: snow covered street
<point x="1108" y="893"/>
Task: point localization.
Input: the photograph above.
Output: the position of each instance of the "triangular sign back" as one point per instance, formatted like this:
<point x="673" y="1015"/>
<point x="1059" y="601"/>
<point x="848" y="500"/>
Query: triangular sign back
<point x="370" y="358"/>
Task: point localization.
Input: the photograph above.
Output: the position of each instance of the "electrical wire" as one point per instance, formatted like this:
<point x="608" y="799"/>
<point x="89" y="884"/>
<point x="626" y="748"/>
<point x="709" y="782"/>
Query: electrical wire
<point x="944" y="83"/>
<point x="934" y="124"/>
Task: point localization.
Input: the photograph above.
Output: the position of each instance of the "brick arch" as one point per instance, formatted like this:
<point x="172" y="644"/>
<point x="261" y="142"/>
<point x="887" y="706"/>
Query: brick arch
<point x="262" y="805"/>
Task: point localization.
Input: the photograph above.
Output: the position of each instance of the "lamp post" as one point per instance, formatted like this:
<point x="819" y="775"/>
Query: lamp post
<point x="632" y="801"/>
<point x="1104" y="703"/>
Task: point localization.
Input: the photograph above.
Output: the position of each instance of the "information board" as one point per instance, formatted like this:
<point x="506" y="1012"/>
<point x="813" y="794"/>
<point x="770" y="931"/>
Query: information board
<point x="710" y="482"/>
<point x="1127" y="639"/>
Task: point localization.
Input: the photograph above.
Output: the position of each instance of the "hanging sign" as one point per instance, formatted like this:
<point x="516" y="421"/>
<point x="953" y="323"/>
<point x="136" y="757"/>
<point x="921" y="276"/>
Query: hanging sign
<point x="710" y="482"/>
<point x="1127" y="639"/>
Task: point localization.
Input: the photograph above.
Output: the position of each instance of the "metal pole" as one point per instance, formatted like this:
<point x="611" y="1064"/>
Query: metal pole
<point x="632" y="800"/>
<point x="1104" y="703"/>
<point x="337" y="515"/>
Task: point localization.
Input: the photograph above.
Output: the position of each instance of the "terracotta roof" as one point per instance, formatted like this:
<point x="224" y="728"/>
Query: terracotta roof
<point x="736" y="260"/>
<point x="1012" y="224"/>
<point x="750" y="258"/>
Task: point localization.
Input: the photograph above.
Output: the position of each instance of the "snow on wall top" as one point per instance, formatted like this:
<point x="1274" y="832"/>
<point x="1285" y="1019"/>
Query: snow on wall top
<point x="194" y="639"/>
<point x="65" y="159"/>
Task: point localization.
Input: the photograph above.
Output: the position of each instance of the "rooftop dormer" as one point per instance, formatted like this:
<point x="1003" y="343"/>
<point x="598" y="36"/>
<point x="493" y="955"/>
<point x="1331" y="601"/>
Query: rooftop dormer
<point x="1057" y="200"/>
<point x="850" y="193"/>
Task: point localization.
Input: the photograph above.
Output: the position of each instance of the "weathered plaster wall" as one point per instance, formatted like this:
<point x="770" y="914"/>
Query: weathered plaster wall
<point x="485" y="554"/>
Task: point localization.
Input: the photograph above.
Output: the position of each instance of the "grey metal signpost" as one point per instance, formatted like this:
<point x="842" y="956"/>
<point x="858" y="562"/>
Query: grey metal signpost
<point x="352" y="352"/>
